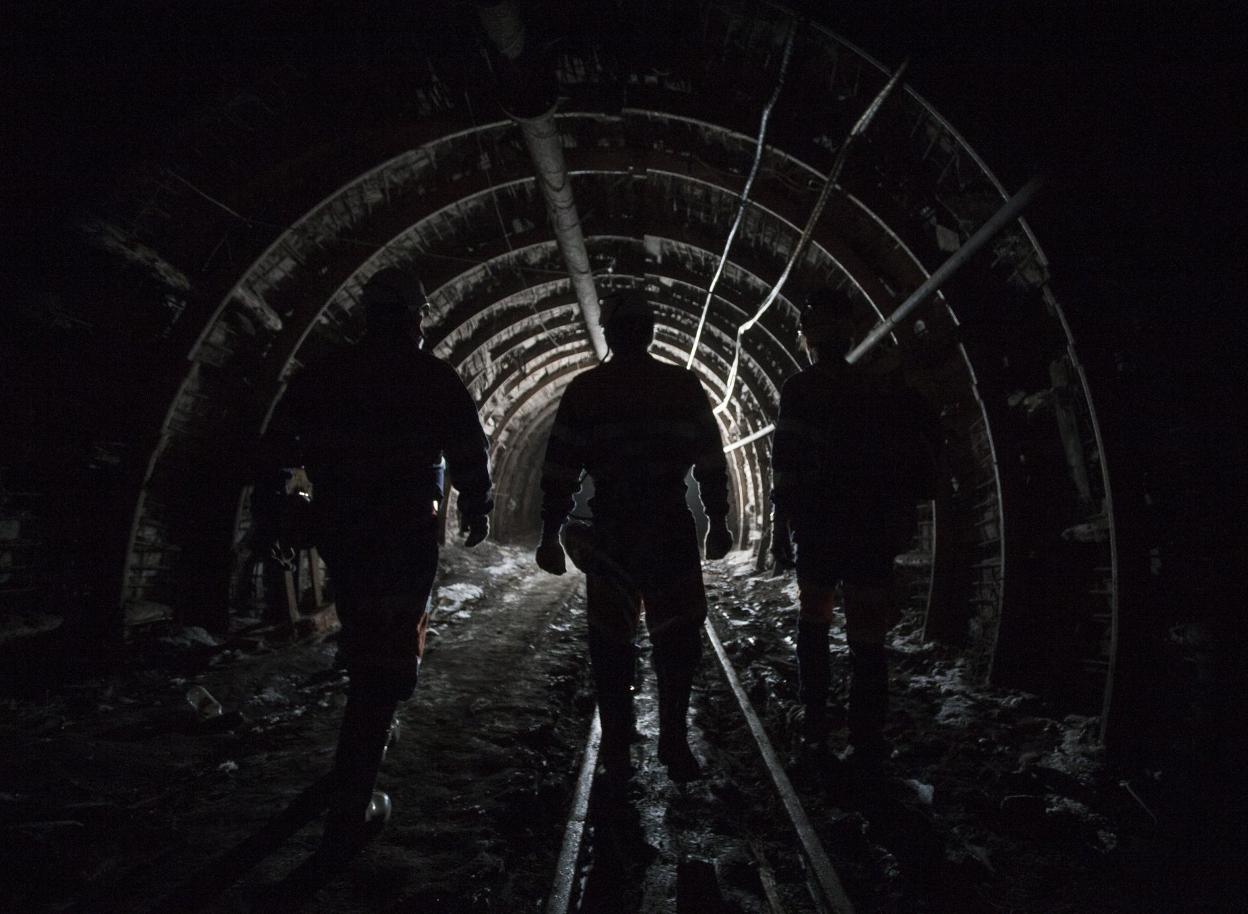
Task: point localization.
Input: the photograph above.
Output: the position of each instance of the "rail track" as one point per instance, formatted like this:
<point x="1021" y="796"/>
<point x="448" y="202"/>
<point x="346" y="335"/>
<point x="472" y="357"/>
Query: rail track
<point x="494" y="788"/>
<point x="740" y="839"/>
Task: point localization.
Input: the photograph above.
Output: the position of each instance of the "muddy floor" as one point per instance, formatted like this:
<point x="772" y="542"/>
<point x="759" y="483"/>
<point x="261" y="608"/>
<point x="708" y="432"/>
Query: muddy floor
<point x="116" y="795"/>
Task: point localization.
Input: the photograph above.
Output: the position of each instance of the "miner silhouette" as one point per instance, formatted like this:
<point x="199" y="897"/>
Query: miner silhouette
<point x="636" y="425"/>
<point x="854" y="452"/>
<point x="372" y="425"/>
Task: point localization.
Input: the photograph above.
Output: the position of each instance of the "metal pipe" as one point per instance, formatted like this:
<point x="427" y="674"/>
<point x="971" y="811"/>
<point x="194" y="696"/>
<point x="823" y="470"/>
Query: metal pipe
<point x="1006" y="214"/>
<point x="541" y="136"/>
<point x="502" y="23"/>
<point x="742" y="442"/>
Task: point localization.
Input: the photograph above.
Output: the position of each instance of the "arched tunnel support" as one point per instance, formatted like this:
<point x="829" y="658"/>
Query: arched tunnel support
<point x="234" y="279"/>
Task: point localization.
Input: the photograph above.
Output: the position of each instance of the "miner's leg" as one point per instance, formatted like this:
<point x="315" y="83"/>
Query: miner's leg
<point x="817" y="604"/>
<point x="612" y="663"/>
<point x="356" y="811"/>
<point x="383" y="667"/>
<point x="869" y="614"/>
<point x="814" y="679"/>
<point x="613" y="613"/>
<point x="868" y="701"/>
<point x="674" y="614"/>
<point x="677" y="652"/>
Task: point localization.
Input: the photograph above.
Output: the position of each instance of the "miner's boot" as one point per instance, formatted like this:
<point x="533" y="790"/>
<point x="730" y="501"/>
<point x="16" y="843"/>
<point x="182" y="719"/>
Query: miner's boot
<point x="868" y="706"/>
<point x="814" y="679"/>
<point x="357" y="811"/>
<point x="613" y="664"/>
<point x="676" y="656"/>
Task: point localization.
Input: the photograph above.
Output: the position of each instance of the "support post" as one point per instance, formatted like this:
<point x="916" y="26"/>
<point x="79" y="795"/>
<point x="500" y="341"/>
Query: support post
<point x="314" y="572"/>
<point x="292" y="593"/>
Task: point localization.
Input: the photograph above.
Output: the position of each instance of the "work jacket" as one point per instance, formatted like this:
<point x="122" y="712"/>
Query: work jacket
<point x="853" y="454"/>
<point x="372" y="425"/>
<point x="635" y="425"/>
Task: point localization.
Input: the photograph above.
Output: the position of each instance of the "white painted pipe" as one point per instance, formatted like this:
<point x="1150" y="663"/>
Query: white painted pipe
<point x="505" y="28"/>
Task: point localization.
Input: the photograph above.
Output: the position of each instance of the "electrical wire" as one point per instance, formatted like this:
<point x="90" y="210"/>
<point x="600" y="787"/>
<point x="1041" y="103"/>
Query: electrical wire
<point x="745" y="191"/>
<point x="800" y="248"/>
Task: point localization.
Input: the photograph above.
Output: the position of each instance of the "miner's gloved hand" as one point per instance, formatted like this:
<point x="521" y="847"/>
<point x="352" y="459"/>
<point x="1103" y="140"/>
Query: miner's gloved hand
<point x="550" y="557"/>
<point x="477" y="526"/>
<point x="782" y="542"/>
<point x="718" y="538"/>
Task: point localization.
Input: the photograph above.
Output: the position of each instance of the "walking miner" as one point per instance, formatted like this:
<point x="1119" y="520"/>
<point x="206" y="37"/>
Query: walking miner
<point x="372" y="426"/>
<point x="853" y="455"/>
<point x="636" y="425"/>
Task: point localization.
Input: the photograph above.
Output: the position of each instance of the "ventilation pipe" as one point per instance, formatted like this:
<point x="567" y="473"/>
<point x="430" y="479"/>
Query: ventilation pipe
<point x="533" y="111"/>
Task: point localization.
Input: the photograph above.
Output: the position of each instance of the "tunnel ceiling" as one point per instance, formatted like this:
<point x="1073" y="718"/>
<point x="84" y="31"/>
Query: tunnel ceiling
<point x="229" y="248"/>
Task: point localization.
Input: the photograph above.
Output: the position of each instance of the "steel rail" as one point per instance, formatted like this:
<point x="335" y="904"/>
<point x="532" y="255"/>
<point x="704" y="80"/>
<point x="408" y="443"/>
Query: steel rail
<point x="828" y="894"/>
<point x="574" y="834"/>
<point x="817" y="858"/>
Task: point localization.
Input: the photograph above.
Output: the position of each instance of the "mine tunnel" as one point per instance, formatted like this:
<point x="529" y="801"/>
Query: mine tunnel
<point x="1025" y="211"/>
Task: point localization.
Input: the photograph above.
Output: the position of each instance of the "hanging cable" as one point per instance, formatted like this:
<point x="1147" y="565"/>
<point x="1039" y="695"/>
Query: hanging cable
<point x="800" y="248"/>
<point x="745" y="191"/>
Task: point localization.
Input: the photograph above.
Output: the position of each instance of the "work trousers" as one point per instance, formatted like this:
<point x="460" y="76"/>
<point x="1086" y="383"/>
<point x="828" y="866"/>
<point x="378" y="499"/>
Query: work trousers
<point x="373" y="696"/>
<point x="382" y="596"/>
<point x="652" y="568"/>
<point x="870" y="611"/>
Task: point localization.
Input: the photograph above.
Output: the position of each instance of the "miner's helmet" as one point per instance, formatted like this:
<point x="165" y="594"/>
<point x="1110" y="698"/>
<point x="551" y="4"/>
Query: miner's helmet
<point x="393" y="297"/>
<point x="627" y="319"/>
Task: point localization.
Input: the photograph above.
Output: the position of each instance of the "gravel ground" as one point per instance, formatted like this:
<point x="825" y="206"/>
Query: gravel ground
<point x="115" y="796"/>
